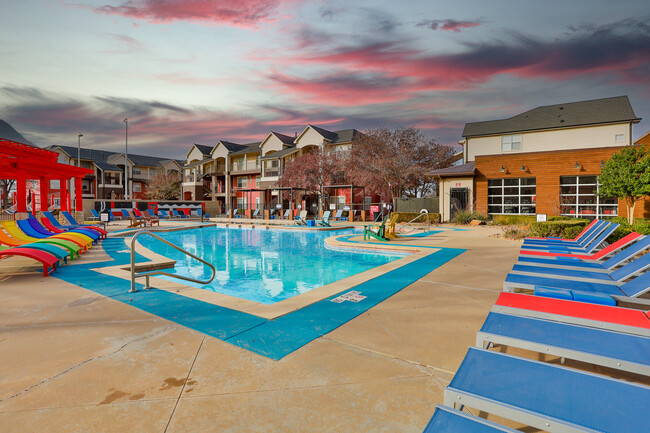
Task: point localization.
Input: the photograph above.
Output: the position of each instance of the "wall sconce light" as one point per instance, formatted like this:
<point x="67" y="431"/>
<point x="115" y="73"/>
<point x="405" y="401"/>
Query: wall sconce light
<point x="602" y="164"/>
<point x="523" y="168"/>
<point x="577" y="166"/>
<point x="503" y="169"/>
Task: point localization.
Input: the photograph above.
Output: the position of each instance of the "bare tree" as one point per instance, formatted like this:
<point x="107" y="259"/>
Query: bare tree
<point x="164" y="186"/>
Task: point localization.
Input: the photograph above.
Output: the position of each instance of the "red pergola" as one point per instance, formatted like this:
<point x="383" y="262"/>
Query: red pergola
<point x="22" y="162"/>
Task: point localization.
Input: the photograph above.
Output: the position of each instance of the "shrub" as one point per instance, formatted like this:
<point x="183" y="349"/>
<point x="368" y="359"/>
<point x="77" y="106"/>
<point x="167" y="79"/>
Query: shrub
<point x="515" y="232"/>
<point x="641" y="226"/>
<point x="562" y="228"/>
<point x="465" y="217"/>
<point x="509" y="220"/>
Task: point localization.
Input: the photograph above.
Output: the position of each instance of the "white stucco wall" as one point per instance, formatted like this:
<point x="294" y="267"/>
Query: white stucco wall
<point x="559" y="139"/>
<point x="271" y="144"/>
<point x="194" y="155"/>
<point x="446" y="184"/>
<point x="219" y="151"/>
<point x="309" y="137"/>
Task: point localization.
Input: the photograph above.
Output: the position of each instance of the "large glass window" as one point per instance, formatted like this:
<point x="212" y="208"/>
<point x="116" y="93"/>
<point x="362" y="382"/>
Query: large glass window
<point x="511" y="142"/>
<point x="242" y="182"/>
<point x="512" y="196"/>
<point x="579" y="197"/>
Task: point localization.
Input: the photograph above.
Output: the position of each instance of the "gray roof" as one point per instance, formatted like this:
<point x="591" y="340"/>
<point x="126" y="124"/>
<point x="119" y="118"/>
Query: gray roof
<point x="455" y="170"/>
<point x="583" y="113"/>
<point x="232" y="147"/>
<point x="281" y="153"/>
<point x="343" y="136"/>
<point x="105" y="166"/>
<point x="286" y="139"/>
<point x="103" y="156"/>
<point x="249" y="148"/>
<point x="203" y="148"/>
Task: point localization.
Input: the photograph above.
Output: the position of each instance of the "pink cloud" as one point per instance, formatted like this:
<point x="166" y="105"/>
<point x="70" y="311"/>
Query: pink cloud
<point x="236" y="13"/>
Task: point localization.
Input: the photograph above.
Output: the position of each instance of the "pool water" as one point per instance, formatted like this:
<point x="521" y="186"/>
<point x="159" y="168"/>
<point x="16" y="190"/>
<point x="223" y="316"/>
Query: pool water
<point x="265" y="266"/>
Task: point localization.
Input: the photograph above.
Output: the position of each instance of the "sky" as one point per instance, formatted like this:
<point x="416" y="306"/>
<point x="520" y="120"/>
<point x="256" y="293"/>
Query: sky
<point x="199" y="71"/>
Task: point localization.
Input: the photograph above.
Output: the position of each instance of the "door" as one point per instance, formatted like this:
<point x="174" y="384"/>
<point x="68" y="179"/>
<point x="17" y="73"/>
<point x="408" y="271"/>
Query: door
<point x="457" y="200"/>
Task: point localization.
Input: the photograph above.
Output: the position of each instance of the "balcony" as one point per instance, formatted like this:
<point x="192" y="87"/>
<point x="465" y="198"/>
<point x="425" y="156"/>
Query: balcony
<point x="272" y="172"/>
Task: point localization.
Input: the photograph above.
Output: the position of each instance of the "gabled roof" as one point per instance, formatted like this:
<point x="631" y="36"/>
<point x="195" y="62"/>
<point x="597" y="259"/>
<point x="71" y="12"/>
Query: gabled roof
<point x="334" y="137"/>
<point x="105" y="156"/>
<point x="286" y="139"/>
<point x="203" y="148"/>
<point x="583" y="113"/>
<point x="328" y="135"/>
<point x="455" y="170"/>
<point x="232" y="147"/>
<point x="249" y="148"/>
<point x="105" y="166"/>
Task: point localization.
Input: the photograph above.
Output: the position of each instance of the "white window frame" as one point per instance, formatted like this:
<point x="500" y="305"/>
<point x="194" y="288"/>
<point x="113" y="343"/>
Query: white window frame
<point x="510" y="143"/>
<point x="601" y="206"/>
<point x="516" y="201"/>
<point x="619" y="138"/>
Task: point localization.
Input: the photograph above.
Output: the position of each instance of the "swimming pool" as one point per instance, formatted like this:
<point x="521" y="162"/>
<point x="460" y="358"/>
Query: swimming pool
<point x="265" y="266"/>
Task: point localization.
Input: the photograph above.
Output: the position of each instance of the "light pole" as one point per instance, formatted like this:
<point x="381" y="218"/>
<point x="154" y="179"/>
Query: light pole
<point x="126" y="159"/>
<point x="79" y="149"/>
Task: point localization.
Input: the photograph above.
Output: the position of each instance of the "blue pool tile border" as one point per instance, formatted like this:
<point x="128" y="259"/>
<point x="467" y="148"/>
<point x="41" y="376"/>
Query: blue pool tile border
<point x="273" y="338"/>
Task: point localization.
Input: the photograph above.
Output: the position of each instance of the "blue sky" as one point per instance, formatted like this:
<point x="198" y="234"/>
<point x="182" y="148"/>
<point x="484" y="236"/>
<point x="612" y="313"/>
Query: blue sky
<point x="197" y="71"/>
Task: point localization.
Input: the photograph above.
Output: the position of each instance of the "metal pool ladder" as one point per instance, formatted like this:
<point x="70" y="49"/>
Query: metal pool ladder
<point x="147" y="274"/>
<point x="419" y="216"/>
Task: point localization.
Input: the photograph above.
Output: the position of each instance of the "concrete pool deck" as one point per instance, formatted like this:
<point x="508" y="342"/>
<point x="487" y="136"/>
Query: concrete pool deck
<point x="77" y="361"/>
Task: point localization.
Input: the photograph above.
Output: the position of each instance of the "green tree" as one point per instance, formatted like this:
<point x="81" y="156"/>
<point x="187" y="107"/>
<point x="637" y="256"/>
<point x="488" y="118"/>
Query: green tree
<point x="627" y="176"/>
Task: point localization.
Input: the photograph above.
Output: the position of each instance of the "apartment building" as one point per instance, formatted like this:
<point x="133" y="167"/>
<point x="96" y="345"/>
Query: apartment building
<point x="108" y="178"/>
<point x="543" y="161"/>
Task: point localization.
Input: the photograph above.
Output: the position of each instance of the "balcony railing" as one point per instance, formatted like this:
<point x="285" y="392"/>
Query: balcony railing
<point x="271" y="173"/>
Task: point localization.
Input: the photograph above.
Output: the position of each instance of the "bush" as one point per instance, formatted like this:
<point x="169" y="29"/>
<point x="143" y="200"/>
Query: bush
<point x="516" y="232"/>
<point x="641" y="226"/>
<point x="465" y="217"/>
<point x="562" y="228"/>
<point x="510" y="220"/>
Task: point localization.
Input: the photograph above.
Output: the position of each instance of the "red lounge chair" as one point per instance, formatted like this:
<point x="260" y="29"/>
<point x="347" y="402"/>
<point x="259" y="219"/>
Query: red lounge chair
<point x="47" y="259"/>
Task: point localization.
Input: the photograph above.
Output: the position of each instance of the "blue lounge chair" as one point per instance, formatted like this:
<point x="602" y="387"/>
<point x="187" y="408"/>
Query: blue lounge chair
<point x="114" y="215"/>
<point x="95" y="214"/>
<point x="162" y="214"/>
<point x="590" y="244"/>
<point x="94" y="232"/>
<point x="325" y="221"/>
<point x="338" y="215"/>
<point x="596" y="346"/>
<point x="640" y="244"/>
<point x="630" y="269"/>
<point x="633" y="288"/>
<point x="447" y="420"/>
<point x="593" y="227"/>
<point x="200" y="212"/>
<point x="256" y="214"/>
<point x="287" y="214"/>
<point x="547" y="396"/>
<point x="176" y="214"/>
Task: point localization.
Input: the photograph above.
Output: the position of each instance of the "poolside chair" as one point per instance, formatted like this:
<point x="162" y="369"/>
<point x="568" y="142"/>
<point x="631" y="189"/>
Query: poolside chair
<point x="256" y="214"/>
<point x="448" y="420"/>
<point x="611" y="349"/>
<point x="546" y="396"/>
<point x="150" y="219"/>
<point x="47" y="259"/>
<point x="302" y="218"/>
<point x="338" y="215"/>
<point x="74" y="222"/>
<point x="287" y="214"/>
<point x="186" y="212"/>
<point x="615" y="318"/>
<point x="135" y="221"/>
<point x="610" y="249"/>
<point x="325" y="221"/>
<point x="199" y="212"/>
<point x="376" y="231"/>
<point x="641" y="244"/>
<point x="590" y="242"/>
<point x="82" y="228"/>
<point x="95" y="215"/>
<point x="114" y="215"/>
<point x="580" y="235"/>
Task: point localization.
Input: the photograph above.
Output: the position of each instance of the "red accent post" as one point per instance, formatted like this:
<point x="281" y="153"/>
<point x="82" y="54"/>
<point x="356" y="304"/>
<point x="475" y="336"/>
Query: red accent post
<point x="78" y="195"/>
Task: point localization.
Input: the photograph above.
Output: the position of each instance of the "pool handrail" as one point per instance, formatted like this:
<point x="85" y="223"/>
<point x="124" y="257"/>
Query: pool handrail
<point x="147" y="274"/>
<point x="420" y="215"/>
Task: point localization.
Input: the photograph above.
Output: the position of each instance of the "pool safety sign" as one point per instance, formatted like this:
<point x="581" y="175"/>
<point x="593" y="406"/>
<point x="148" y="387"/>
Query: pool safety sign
<point x="352" y="296"/>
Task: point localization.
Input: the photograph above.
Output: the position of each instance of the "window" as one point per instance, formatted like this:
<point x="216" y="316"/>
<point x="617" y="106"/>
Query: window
<point x="55" y="184"/>
<point x="136" y="171"/>
<point x="512" y="196"/>
<point x="257" y="203"/>
<point x="510" y="142"/>
<point x="242" y="203"/>
<point x="579" y="197"/>
<point x="137" y="187"/>
<point x="242" y="182"/>
<point x="619" y="138"/>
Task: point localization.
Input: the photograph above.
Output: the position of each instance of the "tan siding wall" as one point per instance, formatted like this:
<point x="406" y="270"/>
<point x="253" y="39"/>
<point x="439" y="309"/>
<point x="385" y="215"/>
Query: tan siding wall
<point x="194" y="155"/>
<point x="310" y="138"/>
<point x="546" y="167"/>
<point x="551" y="140"/>
<point x="273" y="144"/>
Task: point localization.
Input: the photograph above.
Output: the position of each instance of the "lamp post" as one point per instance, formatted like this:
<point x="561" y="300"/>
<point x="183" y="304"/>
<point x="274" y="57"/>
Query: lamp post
<point x="79" y="149"/>
<point x="126" y="159"/>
